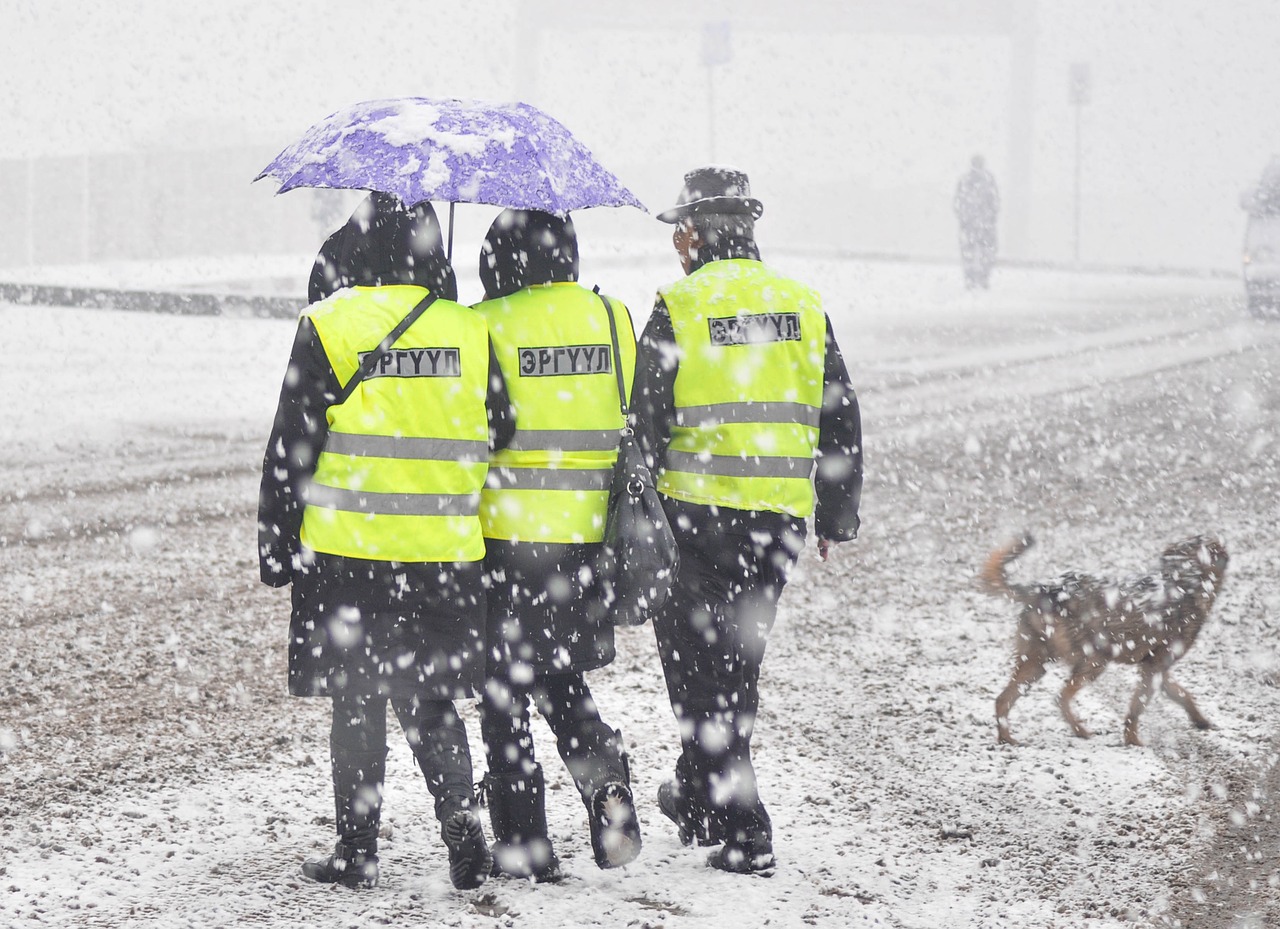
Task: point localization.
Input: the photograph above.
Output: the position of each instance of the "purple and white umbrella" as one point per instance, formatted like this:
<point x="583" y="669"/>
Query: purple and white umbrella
<point x="454" y="151"/>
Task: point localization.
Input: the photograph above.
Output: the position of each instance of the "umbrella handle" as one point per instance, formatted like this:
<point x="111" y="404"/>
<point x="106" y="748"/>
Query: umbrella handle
<point x="449" y="254"/>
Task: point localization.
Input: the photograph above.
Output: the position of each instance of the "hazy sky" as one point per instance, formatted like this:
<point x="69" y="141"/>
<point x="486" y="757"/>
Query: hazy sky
<point x="854" y="118"/>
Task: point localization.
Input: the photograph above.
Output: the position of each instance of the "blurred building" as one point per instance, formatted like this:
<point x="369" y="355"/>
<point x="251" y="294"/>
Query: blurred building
<point x="853" y="118"/>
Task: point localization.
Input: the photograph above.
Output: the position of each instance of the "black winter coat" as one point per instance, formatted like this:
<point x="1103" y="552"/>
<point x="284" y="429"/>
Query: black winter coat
<point x="364" y="626"/>
<point x="838" y="480"/>
<point x="538" y="612"/>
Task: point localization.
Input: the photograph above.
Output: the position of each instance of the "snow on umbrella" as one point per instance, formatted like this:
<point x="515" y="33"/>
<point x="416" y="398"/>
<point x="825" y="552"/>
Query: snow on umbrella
<point x="455" y="151"/>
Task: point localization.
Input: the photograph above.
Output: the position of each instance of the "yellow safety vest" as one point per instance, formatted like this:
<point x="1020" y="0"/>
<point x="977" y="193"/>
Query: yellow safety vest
<point x="553" y="345"/>
<point x="748" y="390"/>
<point x="400" y="475"/>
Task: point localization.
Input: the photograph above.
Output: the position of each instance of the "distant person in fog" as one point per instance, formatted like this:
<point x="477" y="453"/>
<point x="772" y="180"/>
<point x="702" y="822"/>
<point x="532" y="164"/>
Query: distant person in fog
<point x="977" y="207"/>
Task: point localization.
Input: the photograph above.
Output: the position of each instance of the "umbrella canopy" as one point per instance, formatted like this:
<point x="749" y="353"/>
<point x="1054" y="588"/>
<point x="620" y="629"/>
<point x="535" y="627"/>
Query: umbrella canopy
<point x="456" y="151"/>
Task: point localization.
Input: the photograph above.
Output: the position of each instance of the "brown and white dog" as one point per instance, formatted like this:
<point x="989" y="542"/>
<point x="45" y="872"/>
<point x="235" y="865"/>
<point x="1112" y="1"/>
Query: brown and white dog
<point x="1150" y="621"/>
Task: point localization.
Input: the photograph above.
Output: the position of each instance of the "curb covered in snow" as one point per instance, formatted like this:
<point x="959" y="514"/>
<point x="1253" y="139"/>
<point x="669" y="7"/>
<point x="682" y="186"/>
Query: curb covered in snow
<point x="1030" y="264"/>
<point x="150" y="301"/>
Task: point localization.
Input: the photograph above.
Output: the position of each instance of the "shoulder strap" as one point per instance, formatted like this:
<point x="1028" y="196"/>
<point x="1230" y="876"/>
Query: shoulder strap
<point x="617" y="353"/>
<point x="372" y="358"/>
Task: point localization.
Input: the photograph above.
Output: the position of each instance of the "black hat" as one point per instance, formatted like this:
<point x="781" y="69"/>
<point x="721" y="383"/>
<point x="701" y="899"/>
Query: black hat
<point x="714" y="189"/>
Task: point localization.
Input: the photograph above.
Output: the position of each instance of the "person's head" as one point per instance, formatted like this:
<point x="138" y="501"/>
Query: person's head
<point x="702" y="237"/>
<point x="714" y="216"/>
<point x="977" y="162"/>
<point x="385" y="242"/>
<point x="527" y="247"/>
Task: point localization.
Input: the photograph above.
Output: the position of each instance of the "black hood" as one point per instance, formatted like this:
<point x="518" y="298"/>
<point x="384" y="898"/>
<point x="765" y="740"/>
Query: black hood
<point x="384" y="243"/>
<point x="526" y="247"/>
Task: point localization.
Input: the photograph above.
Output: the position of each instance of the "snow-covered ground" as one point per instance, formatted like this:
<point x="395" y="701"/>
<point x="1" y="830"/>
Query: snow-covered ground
<point x="153" y="770"/>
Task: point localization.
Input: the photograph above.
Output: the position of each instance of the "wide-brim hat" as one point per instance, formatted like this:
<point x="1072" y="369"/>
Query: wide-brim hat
<point x="714" y="189"/>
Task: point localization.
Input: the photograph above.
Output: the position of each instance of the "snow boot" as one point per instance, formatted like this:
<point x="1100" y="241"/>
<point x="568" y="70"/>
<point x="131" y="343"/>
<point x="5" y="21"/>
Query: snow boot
<point x="518" y="813"/>
<point x="675" y="806"/>
<point x="748" y="844"/>
<point x="357" y="799"/>
<point x="743" y="859"/>
<point x="615" y="828"/>
<point x="348" y="866"/>
<point x="470" y="861"/>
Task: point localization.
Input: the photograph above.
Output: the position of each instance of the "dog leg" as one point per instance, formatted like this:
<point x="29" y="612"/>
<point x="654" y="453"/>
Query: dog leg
<point x="1178" y="695"/>
<point x="1081" y="674"/>
<point x="1026" y="672"/>
<point x="1141" y="696"/>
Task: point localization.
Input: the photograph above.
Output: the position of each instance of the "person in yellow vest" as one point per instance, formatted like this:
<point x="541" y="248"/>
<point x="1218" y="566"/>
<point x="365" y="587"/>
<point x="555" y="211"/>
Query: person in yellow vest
<point x="543" y="513"/>
<point x="745" y="411"/>
<point x="370" y="508"/>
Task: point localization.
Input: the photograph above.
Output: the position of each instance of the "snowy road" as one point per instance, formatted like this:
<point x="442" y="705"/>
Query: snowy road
<point x="153" y="772"/>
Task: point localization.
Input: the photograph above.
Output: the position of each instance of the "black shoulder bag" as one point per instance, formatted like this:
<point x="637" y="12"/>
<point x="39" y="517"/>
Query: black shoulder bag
<point x="372" y="358"/>
<point x="636" y="566"/>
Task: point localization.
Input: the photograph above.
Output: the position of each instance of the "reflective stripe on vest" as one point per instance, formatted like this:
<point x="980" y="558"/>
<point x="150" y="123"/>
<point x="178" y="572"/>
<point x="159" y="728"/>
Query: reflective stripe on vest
<point x="508" y="478"/>
<point x="551" y="484"/>
<point x="718" y="414"/>
<point x="384" y="504"/>
<point x="748" y="389"/>
<point x="406" y="456"/>
<point x="725" y="466"/>
<point x="399" y="446"/>
<point x="564" y="440"/>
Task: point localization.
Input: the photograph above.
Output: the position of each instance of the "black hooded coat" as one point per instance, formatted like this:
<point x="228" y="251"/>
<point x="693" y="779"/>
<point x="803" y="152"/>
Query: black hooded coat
<point x="360" y="253"/>
<point x="363" y="626"/>
<point x="538" y="601"/>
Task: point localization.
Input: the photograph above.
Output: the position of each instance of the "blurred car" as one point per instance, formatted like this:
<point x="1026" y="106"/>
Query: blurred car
<point x="1262" y="242"/>
<point x="1262" y="264"/>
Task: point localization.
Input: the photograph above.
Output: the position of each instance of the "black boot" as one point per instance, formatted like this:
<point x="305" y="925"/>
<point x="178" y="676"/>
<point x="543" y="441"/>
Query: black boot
<point x="615" y="828"/>
<point x="438" y="739"/>
<point x="357" y="796"/>
<point x="348" y="866"/>
<point x="748" y="843"/>
<point x="469" y="858"/>
<point x="744" y="859"/>
<point x="691" y="826"/>
<point x="517" y="810"/>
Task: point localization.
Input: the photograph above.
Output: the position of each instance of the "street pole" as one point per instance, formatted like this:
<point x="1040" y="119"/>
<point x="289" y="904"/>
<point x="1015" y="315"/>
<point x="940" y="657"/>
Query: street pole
<point x="1076" y="238"/>
<point x="86" y="201"/>
<point x="31" y="212"/>
<point x="716" y="50"/>
<point x="711" y="110"/>
<point x="1080" y="87"/>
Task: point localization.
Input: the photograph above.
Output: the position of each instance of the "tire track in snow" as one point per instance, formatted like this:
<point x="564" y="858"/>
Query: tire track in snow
<point x="962" y="396"/>
<point x="185" y="480"/>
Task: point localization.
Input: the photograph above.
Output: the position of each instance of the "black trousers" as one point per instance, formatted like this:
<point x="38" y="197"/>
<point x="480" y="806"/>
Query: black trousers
<point x="437" y="737"/>
<point x="711" y="639"/>
<point x="591" y="750"/>
<point x="977" y="254"/>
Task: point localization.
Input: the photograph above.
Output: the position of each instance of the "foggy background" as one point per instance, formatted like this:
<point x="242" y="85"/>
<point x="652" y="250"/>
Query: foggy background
<point x="132" y="130"/>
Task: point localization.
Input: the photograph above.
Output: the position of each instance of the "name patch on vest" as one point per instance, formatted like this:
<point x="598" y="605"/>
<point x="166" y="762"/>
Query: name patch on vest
<point x="417" y="362"/>
<point x="755" y="329"/>
<point x="565" y="359"/>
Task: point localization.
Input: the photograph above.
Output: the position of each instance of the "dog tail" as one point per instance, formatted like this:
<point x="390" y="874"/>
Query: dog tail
<point x="994" y="578"/>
